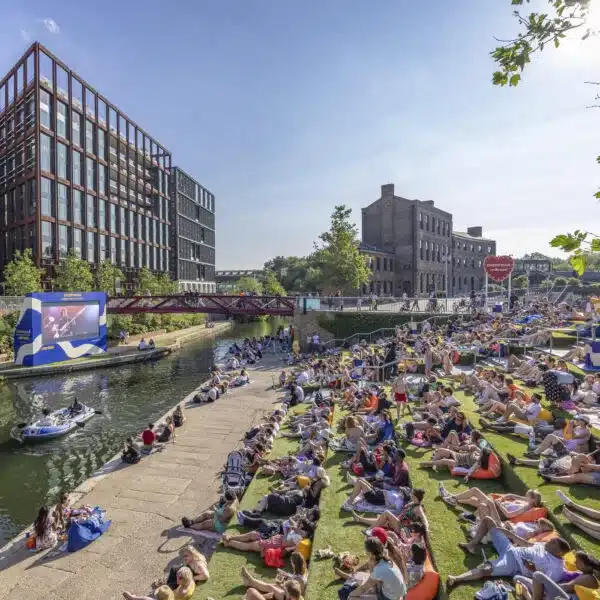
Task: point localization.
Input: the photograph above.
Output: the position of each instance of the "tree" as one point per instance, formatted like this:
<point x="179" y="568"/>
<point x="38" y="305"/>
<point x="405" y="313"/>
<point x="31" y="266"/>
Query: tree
<point x="272" y="286"/>
<point x="107" y="276"/>
<point x="342" y="266"/>
<point x="249" y="285"/>
<point x="74" y="275"/>
<point x="574" y="281"/>
<point x="538" y="31"/>
<point x="21" y="275"/>
<point x="561" y="281"/>
<point x="520" y="281"/>
<point x="147" y="283"/>
<point x="296" y="274"/>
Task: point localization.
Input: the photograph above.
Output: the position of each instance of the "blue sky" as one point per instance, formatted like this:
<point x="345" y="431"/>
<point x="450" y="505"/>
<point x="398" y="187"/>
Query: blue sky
<point x="284" y="108"/>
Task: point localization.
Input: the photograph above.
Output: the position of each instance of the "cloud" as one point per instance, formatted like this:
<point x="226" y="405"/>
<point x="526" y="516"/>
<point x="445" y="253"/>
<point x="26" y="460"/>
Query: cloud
<point x="25" y="35"/>
<point x="51" y="25"/>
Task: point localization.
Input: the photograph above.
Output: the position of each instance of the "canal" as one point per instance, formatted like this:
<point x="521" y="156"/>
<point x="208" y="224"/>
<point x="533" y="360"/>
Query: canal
<point x="129" y="397"/>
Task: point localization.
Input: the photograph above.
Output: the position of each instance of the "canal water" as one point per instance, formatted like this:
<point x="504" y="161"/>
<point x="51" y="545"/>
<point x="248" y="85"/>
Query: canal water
<point x="129" y="397"/>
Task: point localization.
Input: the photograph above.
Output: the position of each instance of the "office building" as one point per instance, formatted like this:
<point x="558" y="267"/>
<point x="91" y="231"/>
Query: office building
<point x="193" y="233"/>
<point x="76" y="174"/>
<point x="411" y="247"/>
<point x="537" y="268"/>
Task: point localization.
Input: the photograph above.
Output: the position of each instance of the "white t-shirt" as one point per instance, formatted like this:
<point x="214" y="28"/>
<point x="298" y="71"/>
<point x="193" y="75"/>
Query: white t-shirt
<point x="545" y="562"/>
<point x="394" y="500"/>
<point x="213" y="393"/>
<point x="392" y="582"/>
<point x="524" y="530"/>
<point x="533" y="410"/>
<point x="299" y="394"/>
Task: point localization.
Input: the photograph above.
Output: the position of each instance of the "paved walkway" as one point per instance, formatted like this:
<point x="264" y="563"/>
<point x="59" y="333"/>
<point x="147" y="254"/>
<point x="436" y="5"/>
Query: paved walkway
<point x="145" y="503"/>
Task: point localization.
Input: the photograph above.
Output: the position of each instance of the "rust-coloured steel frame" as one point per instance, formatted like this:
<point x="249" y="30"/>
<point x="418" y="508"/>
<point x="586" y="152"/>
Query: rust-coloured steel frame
<point x="198" y="303"/>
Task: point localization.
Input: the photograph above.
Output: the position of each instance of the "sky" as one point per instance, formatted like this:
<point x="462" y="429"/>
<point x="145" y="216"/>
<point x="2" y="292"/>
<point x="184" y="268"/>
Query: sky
<point x="285" y="108"/>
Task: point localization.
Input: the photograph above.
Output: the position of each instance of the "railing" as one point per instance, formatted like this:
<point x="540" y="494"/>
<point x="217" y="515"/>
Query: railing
<point x="10" y="303"/>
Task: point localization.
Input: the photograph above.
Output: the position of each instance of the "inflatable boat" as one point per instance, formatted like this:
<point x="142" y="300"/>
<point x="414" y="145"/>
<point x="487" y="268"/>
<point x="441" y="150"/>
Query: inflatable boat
<point x="64" y="422"/>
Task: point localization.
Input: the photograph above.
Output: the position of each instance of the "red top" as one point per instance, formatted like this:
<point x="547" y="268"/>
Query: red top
<point x="148" y="437"/>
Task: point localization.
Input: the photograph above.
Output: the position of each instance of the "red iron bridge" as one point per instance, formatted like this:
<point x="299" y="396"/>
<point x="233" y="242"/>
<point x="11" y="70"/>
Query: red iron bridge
<point x="277" y="306"/>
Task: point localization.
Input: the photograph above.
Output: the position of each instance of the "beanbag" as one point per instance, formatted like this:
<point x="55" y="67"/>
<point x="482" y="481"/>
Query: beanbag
<point x="529" y="516"/>
<point x="427" y="588"/>
<point x="419" y="440"/>
<point x="304" y="547"/>
<point x="493" y="471"/>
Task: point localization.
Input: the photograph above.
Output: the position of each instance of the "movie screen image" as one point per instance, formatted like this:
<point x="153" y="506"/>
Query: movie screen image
<point x="70" y="321"/>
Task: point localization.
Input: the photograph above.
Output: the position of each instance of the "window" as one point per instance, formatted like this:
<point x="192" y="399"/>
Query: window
<point x="32" y="197"/>
<point x="77" y="241"/>
<point x="45" y="153"/>
<point x="131" y="225"/>
<point x="45" y="109"/>
<point x="62" y="114"/>
<point x="91" y="211"/>
<point x="113" y="218"/>
<point x="63" y="241"/>
<point x="101" y="214"/>
<point x="47" y="239"/>
<point x="101" y="144"/>
<point x="102" y="179"/>
<point x="89" y="136"/>
<point x="123" y="258"/>
<point x="91" y="246"/>
<point x="90" y="168"/>
<point x="102" y="248"/>
<point x="427" y="222"/>
<point x="77" y="208"/>
<point x="76" y="128"/>
<point x="63" y="202"/>
<point x="46" y="197"/>
<point x="61" y="161"/>
<point x="122" y="220"/>
<point x="76" y="158"/>
<point x="489" y="249"/>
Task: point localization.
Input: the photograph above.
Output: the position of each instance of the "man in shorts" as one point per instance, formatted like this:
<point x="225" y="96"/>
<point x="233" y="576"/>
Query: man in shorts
<point x="400" y="395"/>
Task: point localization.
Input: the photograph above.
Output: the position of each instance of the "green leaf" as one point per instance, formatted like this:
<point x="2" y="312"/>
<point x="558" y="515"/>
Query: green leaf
<point x="578" y="262"/>
<point x="597" y="195"/>
<point x="514" y="80"/>
<point x="595" y="245"/>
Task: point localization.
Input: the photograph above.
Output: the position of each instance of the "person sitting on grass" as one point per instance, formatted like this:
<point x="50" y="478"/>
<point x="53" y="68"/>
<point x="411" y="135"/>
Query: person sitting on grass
<point x="542" y="586"/>
<point x="472" y="460"/>
<point x="528" y="412"/>
<point x="517" y="556"/>
<point x="508" y="506"/>
<point x="216" y="518"/>
<point x="578" y="434"/>
<point x="299" y="574"/>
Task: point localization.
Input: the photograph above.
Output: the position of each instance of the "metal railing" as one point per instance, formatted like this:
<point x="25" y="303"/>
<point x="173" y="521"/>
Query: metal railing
<point x="10" y="303"/>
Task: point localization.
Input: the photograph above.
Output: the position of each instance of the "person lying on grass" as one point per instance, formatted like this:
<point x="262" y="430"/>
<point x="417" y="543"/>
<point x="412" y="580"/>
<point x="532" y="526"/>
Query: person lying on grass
<point x="508" y="506"/>
<point x="301" y="481"/>
<point x="285" y="504"/>
<point x="291" y="591"/>
<point x="253" y="541"/>
<point x="215" y="518"/>
<point x="471" y="460"/>
<point x="184" y="591"/>
<point x="517" y="556"/>
<point x="567" y="469"/>
<point x="299" y="574"/>
<point x="537" y="431"/>
<point x="269" y="527"/>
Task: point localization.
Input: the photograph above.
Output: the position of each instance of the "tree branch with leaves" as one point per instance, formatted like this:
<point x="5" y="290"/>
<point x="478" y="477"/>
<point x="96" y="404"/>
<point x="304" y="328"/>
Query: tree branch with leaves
<point x="537" y="31"/>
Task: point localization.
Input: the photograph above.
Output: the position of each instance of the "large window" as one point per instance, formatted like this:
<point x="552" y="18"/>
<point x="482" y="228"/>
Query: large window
<point x="101" y="179"/>
<point x="61" y="161"/>
<point x="76" y="167"/>
<point x="77" y="207"/>
<point x="47" y="239"/>
<point x="46" y="194"/>
<point x="90" y="168"/>
<point x="45" y="109"/>
<point x="91" y="211"/>
<point x="46" y="153"/>
<point x="63" y="202"/>
<point x="123" y="248"/>
<point x="32" y="197"/>
<point x="113" y="250"/>
<point x="63" y="241"/>
<point x="101" y="144"/>
<point x="91" y="246"/>
<point x="101" y="248"/>
<point x="62" y="115"/>
<point x="89" y="136"/>
<point x="76" y="128"/>
<point x="113" y="218"/>
<point x="77" y="241"/>
<point x="122" y="220"/>
<point x="101" y="214"/>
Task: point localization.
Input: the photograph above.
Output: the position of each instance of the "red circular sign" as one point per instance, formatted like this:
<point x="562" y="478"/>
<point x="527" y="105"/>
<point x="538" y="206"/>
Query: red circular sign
<point x="498" y="268"/>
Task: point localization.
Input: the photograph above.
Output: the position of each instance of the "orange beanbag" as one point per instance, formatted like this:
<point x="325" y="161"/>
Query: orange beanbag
<point x="427" y="588"/>
<point x="493" y="471"/>
<point x="529" y="516"/>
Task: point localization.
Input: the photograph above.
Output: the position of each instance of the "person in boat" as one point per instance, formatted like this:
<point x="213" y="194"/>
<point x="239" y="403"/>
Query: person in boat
<point x="131" y="453"/>
<point x="143" y="345"/>
<point x="151" y="344"/>
<point x="76" y="408"/>
<point x="47" y="419"/>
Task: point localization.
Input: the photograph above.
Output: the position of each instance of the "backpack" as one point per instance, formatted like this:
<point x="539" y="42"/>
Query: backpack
<point x="234" y="477"/>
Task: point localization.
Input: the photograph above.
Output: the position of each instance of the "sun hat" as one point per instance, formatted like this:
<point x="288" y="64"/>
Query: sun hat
<point x="380" y="533"/>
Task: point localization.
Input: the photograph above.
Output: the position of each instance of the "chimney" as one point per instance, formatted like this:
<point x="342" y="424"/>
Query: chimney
<point x="387" y="190"/>
<point x="475" y="231"/>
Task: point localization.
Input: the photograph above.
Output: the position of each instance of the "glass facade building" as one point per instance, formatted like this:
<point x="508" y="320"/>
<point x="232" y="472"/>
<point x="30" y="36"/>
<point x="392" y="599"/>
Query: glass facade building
<point x="193" y="231"/>
<point x="76" y="174"/>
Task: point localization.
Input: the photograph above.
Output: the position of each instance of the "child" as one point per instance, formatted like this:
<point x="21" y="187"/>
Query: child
<point x="399" y="389"/>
